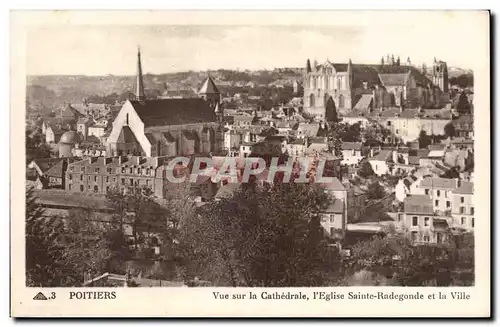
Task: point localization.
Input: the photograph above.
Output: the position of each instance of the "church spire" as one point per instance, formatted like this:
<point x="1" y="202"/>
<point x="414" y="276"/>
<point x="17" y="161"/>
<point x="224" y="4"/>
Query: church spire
<point x="139" y="91"/>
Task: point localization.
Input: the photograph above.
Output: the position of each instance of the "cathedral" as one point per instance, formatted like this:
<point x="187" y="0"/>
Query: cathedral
<point x="344" y="87"/>
<point x="167" y="127"/>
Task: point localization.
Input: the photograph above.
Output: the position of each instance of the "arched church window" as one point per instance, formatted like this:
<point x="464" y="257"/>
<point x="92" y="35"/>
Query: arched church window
<point x="311" y="100"/>
<point x="341" y="101"/>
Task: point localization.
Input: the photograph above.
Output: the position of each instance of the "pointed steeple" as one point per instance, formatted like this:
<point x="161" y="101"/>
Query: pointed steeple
<point x="308" y="66"/>
<point x="139" y="84"/>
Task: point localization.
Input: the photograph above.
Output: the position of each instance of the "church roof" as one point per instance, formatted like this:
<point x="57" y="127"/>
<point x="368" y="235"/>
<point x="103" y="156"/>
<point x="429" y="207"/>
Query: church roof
<point x="393" y="79"/>
<point x="364" y="102"/>
<point x="164" y="112"/>
<point x="208" y="87"/>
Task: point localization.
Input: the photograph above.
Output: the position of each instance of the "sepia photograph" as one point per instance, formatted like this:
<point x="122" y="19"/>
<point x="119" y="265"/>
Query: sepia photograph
<point x="185" y="155"/>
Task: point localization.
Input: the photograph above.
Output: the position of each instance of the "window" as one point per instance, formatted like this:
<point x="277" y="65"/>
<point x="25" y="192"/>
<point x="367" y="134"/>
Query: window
<point x="90" y="178"/>
<point x="462" y="210"/>
<point x="463" y="221"/>
<point x="81" y="178"/>
<point x="131" y="170"/>
<point x="332" y="231"/>
<point x="462" y="199"/>
<point x="126" y="119"/>
<point x="139" y="171"/>
<point x="95" y="178"/>
<point x="415" y="221"/>
<point x="311" y="100"/>
<point x="472" y="222"/>
<point x="107" y="179"/>
<point x="438" y="193"/>
<point x="426" y="221"/>
<point x="414" y="236"/>
<point x="448" y="204"/>
<point x="123" y="170"/>
<point x="70" y="177"/>
<point x="426" y="238"/>
<point x="69" y="187"/>
<point x="81" y="188"/>
<point x="123" y="181"/>
<point x="426" y="191"/>
<point x="388" y="123"/>
<point x="107" y="189"/>
<point x="332" y="219"/>
<point x="341" y="101"/>
<point x="131" y="181"/>
<point x="436" y="203"/>
<point x="148" y="182"/>
<point x="96" y="189"/>
<point x="471" y="210"/>
<point x="397" y="131"/>
<point x="114" y="179"/>
<point x="97" y="170"/>
<point x="439" y="238"/>
<point x="83" y="169"/>
<point x="88" y="186"/>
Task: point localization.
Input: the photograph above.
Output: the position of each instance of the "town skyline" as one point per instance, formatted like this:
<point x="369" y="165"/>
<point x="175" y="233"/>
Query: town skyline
<point x="172" y="49"/>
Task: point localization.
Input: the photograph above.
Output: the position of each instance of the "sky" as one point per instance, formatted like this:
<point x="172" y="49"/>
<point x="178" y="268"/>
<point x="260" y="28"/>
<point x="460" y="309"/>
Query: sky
<point x="112" y="49"/>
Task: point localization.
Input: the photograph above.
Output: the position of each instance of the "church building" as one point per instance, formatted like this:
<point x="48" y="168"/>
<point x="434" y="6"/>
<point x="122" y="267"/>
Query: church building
<point x="167" y="127"/>
<point x="345" y="87"/>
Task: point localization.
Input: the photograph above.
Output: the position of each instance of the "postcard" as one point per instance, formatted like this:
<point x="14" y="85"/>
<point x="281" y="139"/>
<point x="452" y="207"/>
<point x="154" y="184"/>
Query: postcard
<point x="250" y="164"/>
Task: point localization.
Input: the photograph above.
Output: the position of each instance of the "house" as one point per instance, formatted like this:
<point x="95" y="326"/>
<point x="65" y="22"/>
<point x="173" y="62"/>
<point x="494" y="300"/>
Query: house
<point x="463" y="159"/>
<point x="464" y="126"/>
<point x="421" y="223"/>
<point x="439" y="190"/>
<point x="307" y="130"/>
<point x="333" y="220"/>
<point x="316" y="145"/>
<point x="96" y="130"/>
<point x="463" y="206"/>
<point x="352" y="153"/>
<point x="232" y="140"/>
<point x="246" y="148"/>
<point x="82" y="126"/>
<point x="403" y="188"/>
<point x="297" y="148"/>
<point x="357" y="200"/>
<point x="380" y="162"/>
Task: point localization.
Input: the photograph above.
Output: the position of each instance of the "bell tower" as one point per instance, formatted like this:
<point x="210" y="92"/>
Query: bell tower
<point x="440" y="75"/>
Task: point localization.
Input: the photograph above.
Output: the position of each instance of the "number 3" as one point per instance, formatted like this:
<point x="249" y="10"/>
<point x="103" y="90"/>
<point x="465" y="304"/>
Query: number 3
<point x="52" y="295"/>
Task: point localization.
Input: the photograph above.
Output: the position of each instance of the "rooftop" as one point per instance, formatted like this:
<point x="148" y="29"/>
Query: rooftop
<point x="437" y="182"/>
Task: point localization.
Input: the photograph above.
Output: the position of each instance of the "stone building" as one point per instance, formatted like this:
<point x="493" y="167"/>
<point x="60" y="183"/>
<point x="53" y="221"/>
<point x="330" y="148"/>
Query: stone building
<point x="168" y="127"/>
<point x="343" y="87"/>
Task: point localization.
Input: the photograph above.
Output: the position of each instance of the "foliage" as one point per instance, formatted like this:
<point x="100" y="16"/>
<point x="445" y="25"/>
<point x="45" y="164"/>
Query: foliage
<point x="449" y="130"/>
<point x="415" y="265"/>
<point x="269" y="236"/>
<point x="375" y="190"/>
<point x="463" y="80"/>
<point x="93" y="246"/>
<point x="376" y="134"/>
<point x="463" y="105"/>
<point x="350" y="133"/>
<point x="35" y="145"/>
<point x="424" y="140"/>
<point x="365" y="169"/>
<point x="145" y="216"/>
<point x="44" y="252"/>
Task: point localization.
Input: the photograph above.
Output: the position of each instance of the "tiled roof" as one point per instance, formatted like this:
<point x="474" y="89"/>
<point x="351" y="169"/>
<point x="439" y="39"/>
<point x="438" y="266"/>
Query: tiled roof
<point x="57" y="170"/>
<point x="46" y="163"/>
<point x="419" y="204"/>
<point x="364" y="103"/>
<point x="310" y="130"/>
<point x="383" y="155"/>
<point x="393" y="79"/>
<point x="335" y="185"/>
<point x="437" y="182"/>
<point x="208" y="87"/>
<point x="336" y="207"/>
<point x="409" y="180"/>
<point x="465" y="188"/>
<point x="173" y="111"/>
<point x="352" y="146"/>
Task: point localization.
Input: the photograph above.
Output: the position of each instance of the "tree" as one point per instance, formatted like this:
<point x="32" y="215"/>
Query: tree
<point x="449" y="130"/>
<point x="44" y="251"/>
<point x="263" y="237"/>
<point x="365" y="170"/>
<point x="91" y="246"/>
<point x="35" y="145"/>
<point x="375" y="190"/>
<point x="424" y="140"/>
<point x="463" y="105"/>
